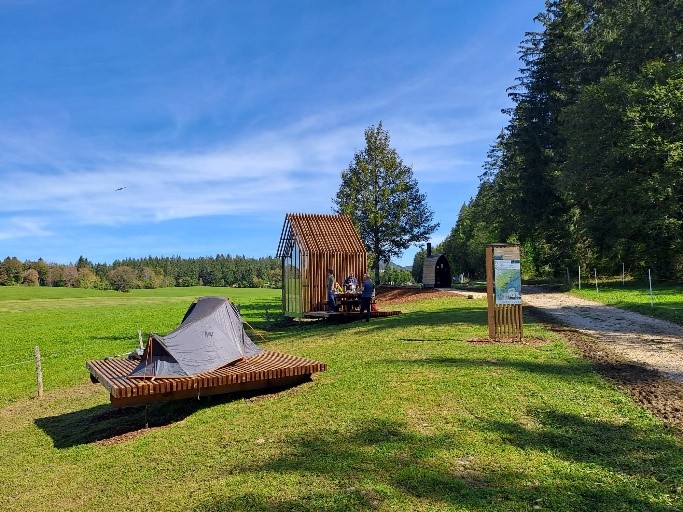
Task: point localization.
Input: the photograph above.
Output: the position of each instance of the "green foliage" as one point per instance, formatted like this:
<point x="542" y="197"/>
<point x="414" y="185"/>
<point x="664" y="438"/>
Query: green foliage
<point x="122" y="279"/>
<point x="418" y="265"/>
<point x="625" y="166"/>
<point x="151" y="272"/>
<point x="409" y="416"/>
<point x="31" y="277"/>
<point x="465" y="246"/>
<point x="11" y="271"/>
<point x="590" y="166"/>
<point x="380" y="194"/>
<point x="395" y="277"/>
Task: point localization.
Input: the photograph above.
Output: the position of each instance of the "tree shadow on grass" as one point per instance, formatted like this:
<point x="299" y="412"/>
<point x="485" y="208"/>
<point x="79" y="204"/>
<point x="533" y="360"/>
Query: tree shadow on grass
<point x="471" y="316"/>
<point x="475" y="316"/>
<point x="624" y="448"/>
<point x="570" y="371"/>
<point x="384" y="460"/>
<point x="259" y="307"/>
<point x="334" y="501"/>
<point x="106" y="424"/>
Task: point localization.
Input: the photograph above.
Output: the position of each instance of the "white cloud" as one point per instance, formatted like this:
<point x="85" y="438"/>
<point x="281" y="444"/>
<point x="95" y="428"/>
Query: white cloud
<point x="294" y="168"/>
<point x="21" y="227"/>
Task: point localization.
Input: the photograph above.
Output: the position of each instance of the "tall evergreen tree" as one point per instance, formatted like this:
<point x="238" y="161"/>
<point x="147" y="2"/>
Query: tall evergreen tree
<point x="380" y="194"/>
<point x="588" y="168"/>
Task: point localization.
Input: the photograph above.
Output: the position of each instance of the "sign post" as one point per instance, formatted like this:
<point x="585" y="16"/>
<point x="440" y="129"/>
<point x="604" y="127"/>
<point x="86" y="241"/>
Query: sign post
<point x="504" y="291"/>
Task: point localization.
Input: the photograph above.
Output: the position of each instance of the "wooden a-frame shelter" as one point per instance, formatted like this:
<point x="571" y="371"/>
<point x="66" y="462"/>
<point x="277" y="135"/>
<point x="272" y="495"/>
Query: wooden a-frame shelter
<point x="309" y="245"/>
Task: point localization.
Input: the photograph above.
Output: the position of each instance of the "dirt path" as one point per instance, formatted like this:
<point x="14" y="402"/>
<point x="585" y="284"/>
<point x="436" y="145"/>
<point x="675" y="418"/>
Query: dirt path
<point x="652" y="343"/>
<point x="641" y="355"/>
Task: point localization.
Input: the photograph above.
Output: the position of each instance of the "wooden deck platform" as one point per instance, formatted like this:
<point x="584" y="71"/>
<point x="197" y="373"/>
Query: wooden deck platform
<point x="347" y="315"/>
<point x="265" y="370"/>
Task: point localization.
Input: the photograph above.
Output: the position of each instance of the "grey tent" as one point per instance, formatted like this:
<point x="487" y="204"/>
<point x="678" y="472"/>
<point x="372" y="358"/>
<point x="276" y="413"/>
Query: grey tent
<point x="210" y="336"/>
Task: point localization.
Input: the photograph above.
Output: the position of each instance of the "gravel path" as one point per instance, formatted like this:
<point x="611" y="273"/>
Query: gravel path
<point x="653" y="343"/>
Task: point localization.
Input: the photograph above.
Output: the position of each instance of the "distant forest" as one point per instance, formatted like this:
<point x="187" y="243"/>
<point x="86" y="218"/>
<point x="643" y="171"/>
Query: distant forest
<point x="589" y="169"/>
<point x="160" y="272"/>
<point x="150" y="272"/>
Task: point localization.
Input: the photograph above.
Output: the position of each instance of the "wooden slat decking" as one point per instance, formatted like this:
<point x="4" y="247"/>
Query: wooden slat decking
<point x="268" y="369"/>
<point x="350" y="315"/>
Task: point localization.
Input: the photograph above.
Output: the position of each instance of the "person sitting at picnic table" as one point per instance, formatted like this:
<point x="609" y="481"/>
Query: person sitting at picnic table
<point x="351" y="283"/>
<point x="366" y="296"/>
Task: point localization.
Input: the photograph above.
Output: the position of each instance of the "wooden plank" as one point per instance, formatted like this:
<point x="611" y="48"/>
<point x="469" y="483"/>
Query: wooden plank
<point x="489" y="292"/>
<point x="257" y="370"/>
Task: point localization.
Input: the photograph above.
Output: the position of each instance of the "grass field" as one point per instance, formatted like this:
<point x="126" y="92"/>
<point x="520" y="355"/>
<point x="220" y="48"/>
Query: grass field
<point x="410" y="415"/>
<point x="666" y="301"/>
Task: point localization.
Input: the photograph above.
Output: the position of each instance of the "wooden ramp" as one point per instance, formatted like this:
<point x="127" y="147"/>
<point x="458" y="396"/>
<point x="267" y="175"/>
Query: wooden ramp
<point x="265" y="370"/>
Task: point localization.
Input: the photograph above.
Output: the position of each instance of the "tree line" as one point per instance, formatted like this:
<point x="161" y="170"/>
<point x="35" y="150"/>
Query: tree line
<point x="159" y="272"/>
<point x="589" y="169"/>
<point x="149" y="272"/>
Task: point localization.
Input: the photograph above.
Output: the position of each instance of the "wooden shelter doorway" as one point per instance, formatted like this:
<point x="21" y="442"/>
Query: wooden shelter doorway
<point x="309" y="245"/>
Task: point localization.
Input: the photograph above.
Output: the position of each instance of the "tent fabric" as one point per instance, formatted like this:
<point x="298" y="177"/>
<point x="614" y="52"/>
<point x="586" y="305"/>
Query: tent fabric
<point x="210" y="336"/>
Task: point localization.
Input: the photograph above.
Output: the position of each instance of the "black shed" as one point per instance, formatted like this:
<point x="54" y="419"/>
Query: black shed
<point x="436" y="272"/>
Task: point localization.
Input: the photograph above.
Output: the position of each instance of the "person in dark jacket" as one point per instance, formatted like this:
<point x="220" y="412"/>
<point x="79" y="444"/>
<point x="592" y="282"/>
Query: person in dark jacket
<point x="351" y="283"/>
<point x="366" y="296"/>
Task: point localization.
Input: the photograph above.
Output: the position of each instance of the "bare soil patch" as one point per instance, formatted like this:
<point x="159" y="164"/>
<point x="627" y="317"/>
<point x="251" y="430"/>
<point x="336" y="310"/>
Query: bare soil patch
<point x="389" y="295"/>
<point x="661" y="396"/>
<point x="527" y="340"/>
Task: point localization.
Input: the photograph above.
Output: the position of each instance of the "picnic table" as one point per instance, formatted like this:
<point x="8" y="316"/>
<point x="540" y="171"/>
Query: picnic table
<point x="348" y="301"/>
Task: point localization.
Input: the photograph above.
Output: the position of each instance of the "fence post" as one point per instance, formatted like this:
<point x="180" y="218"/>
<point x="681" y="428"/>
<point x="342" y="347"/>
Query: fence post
<point x="579" y="277"/>
<point x="596" y="280"/>
<point x="649" y="278"/>
<point x="39" y="372"/>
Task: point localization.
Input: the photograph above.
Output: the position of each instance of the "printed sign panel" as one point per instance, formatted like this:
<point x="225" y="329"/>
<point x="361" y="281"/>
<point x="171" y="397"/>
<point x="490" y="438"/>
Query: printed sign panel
<point x="508" y="281"/>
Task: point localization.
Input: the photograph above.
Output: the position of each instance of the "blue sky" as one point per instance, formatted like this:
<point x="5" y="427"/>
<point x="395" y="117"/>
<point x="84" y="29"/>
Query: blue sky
<point x="190" y="128"/>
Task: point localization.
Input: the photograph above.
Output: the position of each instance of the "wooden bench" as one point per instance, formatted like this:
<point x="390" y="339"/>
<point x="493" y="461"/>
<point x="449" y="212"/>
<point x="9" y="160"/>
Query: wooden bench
<point x="265" y="370"/>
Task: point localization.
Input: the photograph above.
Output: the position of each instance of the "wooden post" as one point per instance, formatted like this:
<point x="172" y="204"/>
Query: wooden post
<point x="489" y="291"/>
<point x="39" y="372"/>
<point x="579" y="277"/>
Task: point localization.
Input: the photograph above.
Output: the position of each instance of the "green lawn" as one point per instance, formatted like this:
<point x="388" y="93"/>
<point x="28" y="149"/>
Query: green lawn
<point x="410" y="415"/>
<point x="666" y="301"/>
<point x="72" y="325"/>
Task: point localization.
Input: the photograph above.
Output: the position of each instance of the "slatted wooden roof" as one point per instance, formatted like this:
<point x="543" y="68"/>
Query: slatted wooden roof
<point x="319" y="234"/>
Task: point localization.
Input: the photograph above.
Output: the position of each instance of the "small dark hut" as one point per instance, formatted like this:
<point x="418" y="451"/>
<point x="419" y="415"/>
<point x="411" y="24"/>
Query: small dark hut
<point x="436" y="272"/>
<point x="309" y="245"/>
